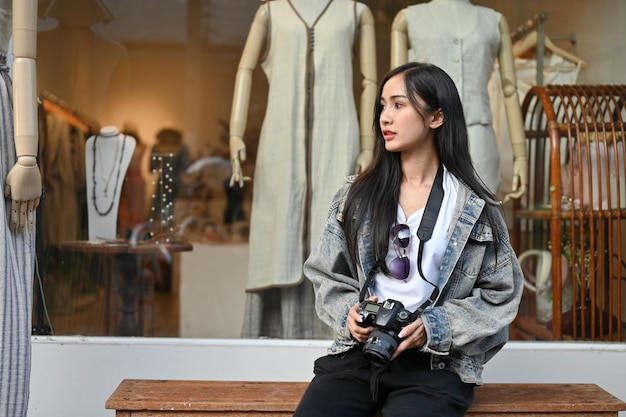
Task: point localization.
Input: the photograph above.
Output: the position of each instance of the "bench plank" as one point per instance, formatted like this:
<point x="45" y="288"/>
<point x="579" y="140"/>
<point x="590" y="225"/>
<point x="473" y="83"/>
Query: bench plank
<point x="544" y="398"/>
<point x="156" y="398"/>
<point x="206" y="395"/>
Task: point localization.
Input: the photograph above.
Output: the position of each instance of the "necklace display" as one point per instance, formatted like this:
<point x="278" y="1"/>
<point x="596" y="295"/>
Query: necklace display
<point x="106" y="180"/>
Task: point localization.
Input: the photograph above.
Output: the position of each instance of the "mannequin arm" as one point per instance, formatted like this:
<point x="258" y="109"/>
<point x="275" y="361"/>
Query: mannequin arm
<point x="368" y="95"/>
<point x="513" y="113"/>
<point x="399" y="40"/>
<point x="23" y="183"/>
<point x="241" y="97"/>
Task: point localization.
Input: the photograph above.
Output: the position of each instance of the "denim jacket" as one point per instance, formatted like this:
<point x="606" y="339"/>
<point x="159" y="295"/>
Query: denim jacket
<point x="479" y="290"/>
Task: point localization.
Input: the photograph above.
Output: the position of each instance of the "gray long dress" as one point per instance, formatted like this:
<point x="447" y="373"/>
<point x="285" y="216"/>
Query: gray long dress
<point x="16" y="262"/>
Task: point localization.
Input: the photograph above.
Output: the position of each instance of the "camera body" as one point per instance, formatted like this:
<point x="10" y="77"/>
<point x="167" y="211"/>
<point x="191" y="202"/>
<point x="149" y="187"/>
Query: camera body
<point x="387" y="318"/>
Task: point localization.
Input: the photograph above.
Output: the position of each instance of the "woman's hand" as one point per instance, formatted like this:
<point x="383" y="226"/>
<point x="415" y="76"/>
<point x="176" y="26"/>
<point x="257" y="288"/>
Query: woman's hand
<point x="413" y="335"/>
<point x="354" y="319"/>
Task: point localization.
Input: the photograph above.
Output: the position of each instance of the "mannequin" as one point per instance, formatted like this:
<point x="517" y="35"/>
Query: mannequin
<point x="556" y="70"/>
<point x="107" y="156"/>
<point x="84" y="69"/>
<point x="464" y="40"/>
<point x="23" y="183"/>
<point x="306" y="148"/>
<point x="22" y="186"/>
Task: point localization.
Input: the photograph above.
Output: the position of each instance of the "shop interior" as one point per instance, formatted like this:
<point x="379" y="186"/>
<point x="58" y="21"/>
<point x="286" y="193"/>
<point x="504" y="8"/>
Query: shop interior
<point x="163" y="73"/>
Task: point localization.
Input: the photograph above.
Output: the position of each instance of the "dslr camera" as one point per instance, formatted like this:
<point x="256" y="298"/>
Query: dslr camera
<point x="387" y="318"/>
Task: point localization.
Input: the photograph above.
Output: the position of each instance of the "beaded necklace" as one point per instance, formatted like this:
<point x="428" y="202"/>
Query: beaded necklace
<point x="117" y="178"/>
<point x="107" y="179"/>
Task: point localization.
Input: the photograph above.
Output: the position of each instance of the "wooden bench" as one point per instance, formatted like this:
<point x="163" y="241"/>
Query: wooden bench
<point x="175" y="398"/>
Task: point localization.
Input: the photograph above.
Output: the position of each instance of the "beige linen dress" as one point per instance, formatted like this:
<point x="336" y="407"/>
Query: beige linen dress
<point x="309" y="139"/>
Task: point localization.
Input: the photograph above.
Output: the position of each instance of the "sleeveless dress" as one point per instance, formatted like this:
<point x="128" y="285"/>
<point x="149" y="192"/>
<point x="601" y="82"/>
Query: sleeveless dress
<point x="309" y="143"/>
<point x="469" y="61"/>
<point x="16" y="267"/>
<point x="309" y="139"/>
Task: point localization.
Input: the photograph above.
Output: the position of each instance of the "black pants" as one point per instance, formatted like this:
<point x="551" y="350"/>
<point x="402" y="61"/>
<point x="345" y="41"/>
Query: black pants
<point x="347" y="385"/>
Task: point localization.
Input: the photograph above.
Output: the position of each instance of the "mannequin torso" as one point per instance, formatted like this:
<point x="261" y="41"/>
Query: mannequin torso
<point x="107" y="156"/>
<point x="465" y="40"/>
<point x="309" y="10"/>
<point x="257" y="41"/>
<point x="457" y="17"/>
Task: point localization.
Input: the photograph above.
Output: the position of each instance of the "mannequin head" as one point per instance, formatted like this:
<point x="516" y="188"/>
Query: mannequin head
<point x="169" y="139"/>
<point x="79" y="13"/>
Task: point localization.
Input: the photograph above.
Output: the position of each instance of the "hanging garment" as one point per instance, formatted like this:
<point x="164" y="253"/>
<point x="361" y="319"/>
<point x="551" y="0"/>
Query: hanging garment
<point x="16" y="266"/>
<point x="62" y="161"/>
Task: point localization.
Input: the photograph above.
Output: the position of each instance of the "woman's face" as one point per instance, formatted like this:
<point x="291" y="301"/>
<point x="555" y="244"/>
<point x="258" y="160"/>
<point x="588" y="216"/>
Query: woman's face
<point x="403" y="127"/>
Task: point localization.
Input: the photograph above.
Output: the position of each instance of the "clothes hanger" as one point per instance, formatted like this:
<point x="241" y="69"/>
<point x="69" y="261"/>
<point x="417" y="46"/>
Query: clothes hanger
<point x="528" y="26"/>
<point x="52" y="104"/>
<point x="530" y="42"/>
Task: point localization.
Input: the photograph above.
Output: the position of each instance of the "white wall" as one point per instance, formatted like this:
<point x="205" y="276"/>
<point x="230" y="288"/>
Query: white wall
<point x="212" y="290"/>
<point x="74" y="376"/>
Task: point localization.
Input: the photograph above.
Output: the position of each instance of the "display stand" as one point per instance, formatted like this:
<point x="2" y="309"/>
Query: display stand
<point x="107" y="156"/>
<point x="129" y="292"/>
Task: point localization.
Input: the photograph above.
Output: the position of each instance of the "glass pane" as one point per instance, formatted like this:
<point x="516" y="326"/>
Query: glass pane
<point x="159" y="75"/>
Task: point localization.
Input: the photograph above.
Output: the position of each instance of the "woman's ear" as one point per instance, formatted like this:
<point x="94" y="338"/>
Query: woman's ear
<point x="437" y="120"/>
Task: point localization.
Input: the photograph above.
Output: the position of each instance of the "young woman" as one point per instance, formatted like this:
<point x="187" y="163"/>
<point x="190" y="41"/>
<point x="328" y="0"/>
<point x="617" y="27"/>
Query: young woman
<point x="421" y="244"/>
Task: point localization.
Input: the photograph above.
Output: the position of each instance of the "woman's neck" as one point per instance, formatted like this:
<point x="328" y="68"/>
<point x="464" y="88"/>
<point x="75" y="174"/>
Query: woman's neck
<point x="419" y="171"/>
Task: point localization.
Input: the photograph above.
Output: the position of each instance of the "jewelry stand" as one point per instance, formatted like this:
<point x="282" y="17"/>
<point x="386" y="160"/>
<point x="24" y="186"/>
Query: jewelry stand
<point x="162" y="211"/>
<point x="107" y="156"/>
<point x="129" y="295"/>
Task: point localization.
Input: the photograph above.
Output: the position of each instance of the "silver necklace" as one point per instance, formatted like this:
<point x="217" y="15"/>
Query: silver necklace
<point x="107" y="179"/>
<point x="117" y="178"/>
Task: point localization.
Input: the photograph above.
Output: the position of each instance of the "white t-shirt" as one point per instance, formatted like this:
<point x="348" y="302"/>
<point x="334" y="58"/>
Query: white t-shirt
<point x="413" y="291"/>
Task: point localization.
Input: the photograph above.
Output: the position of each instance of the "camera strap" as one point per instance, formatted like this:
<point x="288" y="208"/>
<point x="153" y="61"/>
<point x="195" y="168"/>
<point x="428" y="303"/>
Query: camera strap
<point x="424" y="233"/>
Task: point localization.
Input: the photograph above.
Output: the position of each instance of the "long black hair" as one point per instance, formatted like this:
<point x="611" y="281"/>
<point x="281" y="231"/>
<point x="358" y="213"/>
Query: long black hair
<point x="375" y="192"/>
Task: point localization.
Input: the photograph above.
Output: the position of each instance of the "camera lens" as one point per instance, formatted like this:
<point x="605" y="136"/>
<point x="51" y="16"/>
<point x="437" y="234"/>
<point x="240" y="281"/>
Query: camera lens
<point x="380" y="347"/>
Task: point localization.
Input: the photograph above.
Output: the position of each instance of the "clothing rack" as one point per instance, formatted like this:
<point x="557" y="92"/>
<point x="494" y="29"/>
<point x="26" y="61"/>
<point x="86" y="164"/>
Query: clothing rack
<point x="53" y="104"/>
<point x="528" y="26"/>
<point x="537" y="24"/>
